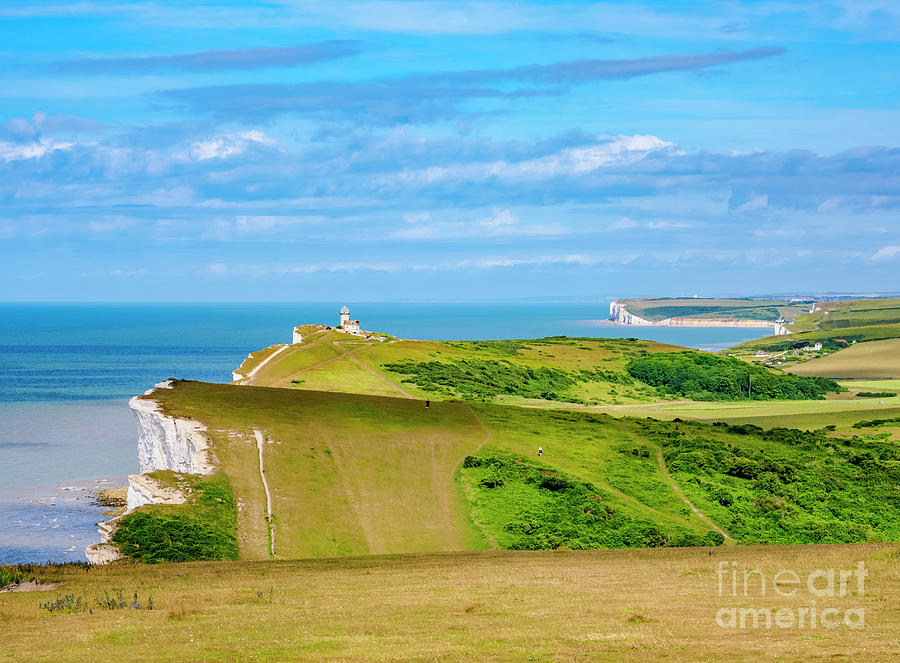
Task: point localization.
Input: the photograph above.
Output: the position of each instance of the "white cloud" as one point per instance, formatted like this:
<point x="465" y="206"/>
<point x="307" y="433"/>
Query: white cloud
<point x="228" y="144"/>
<point x="110" y="225"/>
<point x="33" y="150"/>
<point x="501" y="223"/>
<point x="501" y="218"/>
<point x="623" y="224"/>
<point x="667" y="225"/>
<point x="574" y="161"/>
<point x="887" y="252"/>
<point x="218" y="268"/>
<point x="754" y="203"/>
<point x="129" y="272"/>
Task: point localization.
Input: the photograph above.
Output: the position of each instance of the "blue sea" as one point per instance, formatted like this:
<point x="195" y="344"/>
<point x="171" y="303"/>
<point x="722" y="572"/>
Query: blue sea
<point x="68" y="370"/>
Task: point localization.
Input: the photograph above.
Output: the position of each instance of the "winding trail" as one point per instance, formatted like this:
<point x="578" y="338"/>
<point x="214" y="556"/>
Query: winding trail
<point x="491" y="540"/>
<point x="247" y="378"/>
<point x="665" y="472"/>
<point x="350" y="353"/>
<point x="262" y="475"/>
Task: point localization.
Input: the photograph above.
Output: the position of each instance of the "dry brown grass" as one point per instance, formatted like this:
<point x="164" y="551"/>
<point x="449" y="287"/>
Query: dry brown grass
<point x="622" y="605"/>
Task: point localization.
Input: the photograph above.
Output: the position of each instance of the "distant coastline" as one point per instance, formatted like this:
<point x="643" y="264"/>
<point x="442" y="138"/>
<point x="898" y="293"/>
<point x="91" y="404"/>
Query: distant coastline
<point x="618" y="314"/>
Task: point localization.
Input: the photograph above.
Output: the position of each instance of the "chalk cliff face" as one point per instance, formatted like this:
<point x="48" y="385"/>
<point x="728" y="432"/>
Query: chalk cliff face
<point x="167" y="443"/>
<point x="164" y="443"/>
<point x="618" y="313"/>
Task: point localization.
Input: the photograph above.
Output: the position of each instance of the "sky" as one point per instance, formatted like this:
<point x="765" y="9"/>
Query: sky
<point x="396" y="150"/>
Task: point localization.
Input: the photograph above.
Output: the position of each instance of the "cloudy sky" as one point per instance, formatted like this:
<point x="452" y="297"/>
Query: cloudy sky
<point x="389" y="150"/>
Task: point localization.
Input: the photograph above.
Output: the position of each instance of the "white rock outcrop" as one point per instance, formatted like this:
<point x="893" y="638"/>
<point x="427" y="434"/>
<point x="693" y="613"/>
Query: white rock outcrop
<point x="167" y="443"/>
<point x="164" y="443"/>
<point x="143" y="489"/>
<point x="102" y="553"/>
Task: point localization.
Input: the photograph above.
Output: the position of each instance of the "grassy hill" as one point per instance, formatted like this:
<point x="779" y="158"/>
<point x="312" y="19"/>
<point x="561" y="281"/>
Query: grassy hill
<point x="351" y="474"/>
<point x="548" y="371"/>
<point x="875" y="359"/>
<point x="579" y="370"/>
<point x="859" y="340"/>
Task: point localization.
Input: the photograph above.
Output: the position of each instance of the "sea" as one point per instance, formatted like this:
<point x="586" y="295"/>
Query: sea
<point x="68" y="370"/>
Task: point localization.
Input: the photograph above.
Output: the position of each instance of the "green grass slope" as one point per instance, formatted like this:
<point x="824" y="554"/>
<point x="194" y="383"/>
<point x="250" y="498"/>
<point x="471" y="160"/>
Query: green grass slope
<point x="351" y="474"/>
<point x="873" y="360"/>
<point x="859" y="320"/>
<point x="555" y="369"/>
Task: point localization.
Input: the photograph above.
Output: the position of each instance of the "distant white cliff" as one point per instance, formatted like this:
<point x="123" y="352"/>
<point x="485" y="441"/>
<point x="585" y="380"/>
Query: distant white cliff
<point x="619" y="314"/>
<point x="164" y="443"/>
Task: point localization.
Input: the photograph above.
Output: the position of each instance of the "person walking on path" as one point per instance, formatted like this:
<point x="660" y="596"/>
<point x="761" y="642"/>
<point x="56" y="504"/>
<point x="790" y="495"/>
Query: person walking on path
<point x="540" y="451"/>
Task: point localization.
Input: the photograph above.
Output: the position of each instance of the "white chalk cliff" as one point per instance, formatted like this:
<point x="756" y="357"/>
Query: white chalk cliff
<point x="619" y="314"/>
<point x="167" y="443"/>
<point x="164" y="443"/>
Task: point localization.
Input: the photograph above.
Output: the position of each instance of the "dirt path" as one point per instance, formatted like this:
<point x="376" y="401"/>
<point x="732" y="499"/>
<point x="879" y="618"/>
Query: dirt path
<point x="491" y="540"/>
<point x="359" y="361"/>
<point x="270" y="521"/>
<point x="249" y="377"/>
<point x="662" y="468"/>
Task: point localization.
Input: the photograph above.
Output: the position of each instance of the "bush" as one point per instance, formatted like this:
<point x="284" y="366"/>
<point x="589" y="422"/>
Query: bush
<point x="528" y="506"/>
<point x="705" y="376"/>
<point x="204" y="528"/>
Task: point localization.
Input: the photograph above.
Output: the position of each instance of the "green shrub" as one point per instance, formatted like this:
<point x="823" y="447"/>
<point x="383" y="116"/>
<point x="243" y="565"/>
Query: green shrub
<point x="529" y="506"/>
<point x="475" y="379"/>
<point x="705" y="376"/>
<point x="204" y="528"/>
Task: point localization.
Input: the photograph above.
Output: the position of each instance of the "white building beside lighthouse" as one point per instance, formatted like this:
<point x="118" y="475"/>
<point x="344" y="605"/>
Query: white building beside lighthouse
<point x="348" y="325"/>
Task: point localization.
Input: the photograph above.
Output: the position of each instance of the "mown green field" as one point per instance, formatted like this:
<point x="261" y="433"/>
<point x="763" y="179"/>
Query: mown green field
<point x="875" y="359"/>
<point x="511" y="607"/>
<point x="842" y="411"/>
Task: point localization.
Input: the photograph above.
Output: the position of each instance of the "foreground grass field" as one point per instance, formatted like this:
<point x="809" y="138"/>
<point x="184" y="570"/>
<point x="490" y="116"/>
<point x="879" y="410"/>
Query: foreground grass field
<point x="614" y="605"/>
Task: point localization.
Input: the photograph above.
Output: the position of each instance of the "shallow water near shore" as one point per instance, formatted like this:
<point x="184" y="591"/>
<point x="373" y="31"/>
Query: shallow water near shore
<point x="67" y="371"/>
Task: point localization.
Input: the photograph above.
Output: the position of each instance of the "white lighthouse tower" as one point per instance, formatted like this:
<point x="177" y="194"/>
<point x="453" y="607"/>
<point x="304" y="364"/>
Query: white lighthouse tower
<point x="348" y="325"/>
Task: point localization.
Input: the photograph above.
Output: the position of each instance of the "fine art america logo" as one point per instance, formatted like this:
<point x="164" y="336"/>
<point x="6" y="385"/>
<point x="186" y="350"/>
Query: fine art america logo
<point x="806" y="590"/>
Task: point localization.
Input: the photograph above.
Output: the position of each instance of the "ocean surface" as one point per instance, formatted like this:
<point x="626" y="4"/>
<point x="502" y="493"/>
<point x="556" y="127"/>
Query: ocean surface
<point x="68" y="370"/>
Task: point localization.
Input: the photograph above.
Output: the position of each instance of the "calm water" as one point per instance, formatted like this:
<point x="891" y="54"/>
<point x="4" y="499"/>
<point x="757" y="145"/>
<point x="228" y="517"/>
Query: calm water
<point x="68" y="370"/>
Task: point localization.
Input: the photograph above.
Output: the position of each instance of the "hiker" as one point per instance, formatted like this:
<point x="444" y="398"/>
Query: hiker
<point x="540" y="451"/>
<point x="427" y="404"/>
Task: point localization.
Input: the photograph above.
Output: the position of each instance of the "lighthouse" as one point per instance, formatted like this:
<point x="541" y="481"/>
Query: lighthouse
<point x="348" y="325"/>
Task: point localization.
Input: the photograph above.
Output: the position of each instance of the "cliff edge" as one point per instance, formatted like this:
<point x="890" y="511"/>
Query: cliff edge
<point x="164" y="443"/>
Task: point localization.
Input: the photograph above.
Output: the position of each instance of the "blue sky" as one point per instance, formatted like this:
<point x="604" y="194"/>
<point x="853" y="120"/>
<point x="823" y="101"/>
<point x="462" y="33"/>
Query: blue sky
<point x="372" y="150"/>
